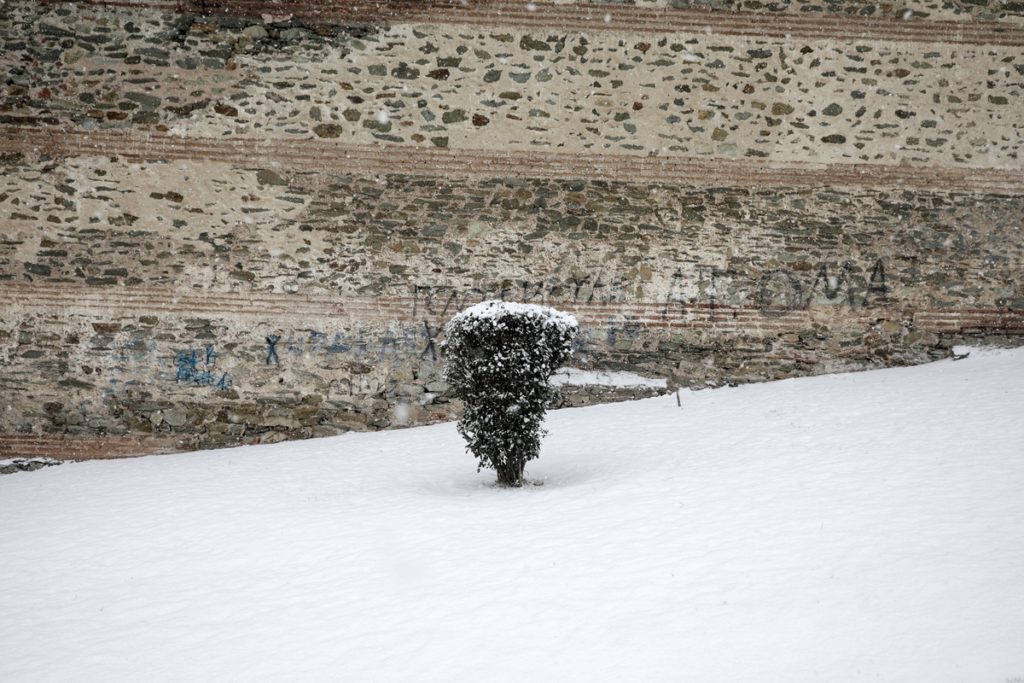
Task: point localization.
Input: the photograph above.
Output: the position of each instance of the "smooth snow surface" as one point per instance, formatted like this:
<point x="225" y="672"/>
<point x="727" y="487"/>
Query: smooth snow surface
<point x="604" y="378"/>
<point x="863" y="527"/>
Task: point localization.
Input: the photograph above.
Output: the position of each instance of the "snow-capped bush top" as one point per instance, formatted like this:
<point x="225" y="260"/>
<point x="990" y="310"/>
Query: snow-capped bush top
<point x="496" y="309"/>
<point x="505" y="338"/>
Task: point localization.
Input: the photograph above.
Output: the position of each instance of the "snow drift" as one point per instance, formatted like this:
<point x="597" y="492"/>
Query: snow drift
<point x="840" y="528"/>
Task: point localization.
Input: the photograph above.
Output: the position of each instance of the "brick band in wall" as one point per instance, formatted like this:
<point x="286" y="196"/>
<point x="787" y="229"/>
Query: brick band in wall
<point x="722" y="318"/>
<point x="64" y="447"/>
<point x="366" y="159"/>
<point x="588" y="17"/>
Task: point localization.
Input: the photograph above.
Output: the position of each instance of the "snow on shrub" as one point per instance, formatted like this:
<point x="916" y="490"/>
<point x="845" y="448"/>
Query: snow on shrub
<point x="499" y="359"/>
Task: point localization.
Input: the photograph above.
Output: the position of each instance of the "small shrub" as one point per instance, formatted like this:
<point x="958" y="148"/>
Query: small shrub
<point x="499" y="359"/>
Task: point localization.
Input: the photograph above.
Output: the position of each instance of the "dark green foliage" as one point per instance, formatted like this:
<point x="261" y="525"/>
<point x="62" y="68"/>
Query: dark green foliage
<point x="500" y="358"/>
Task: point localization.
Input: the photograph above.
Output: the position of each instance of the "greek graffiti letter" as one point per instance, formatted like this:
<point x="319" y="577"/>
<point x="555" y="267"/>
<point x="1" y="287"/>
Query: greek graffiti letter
<point x="272" y="349"/>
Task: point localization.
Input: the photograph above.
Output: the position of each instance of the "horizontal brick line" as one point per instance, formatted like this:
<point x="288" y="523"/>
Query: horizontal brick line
<point x="715" y="172"/>
<point x="76" y="294"/>
<point x="992" y="324"/>
<point x="1009" y="321"/>
<point x="152" y="144"/>
<point x="406" y="309"/>
<point x="1008" y="318"/>
<point x="398" y="310"/>
<point x="967" y="312"/>
<point x="72" y="294"/>
<point x="314" y="154"/>
<point x="652" y="21"/>
<point x="387" y="309"/>
<point x="116" y="301"/>
<point x="21" y="442"/>
<point x="965" y="320"/>
<point x="155" y="146"/>
<point x="599" y="17"/>
<point x="67" y="447"/>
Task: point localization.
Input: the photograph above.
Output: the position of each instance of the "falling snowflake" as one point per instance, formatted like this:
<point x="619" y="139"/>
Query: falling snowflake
<point x="382" y="116"/>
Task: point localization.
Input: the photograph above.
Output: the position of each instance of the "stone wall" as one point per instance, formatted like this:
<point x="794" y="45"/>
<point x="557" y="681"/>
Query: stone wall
<point x="232" y="222"/>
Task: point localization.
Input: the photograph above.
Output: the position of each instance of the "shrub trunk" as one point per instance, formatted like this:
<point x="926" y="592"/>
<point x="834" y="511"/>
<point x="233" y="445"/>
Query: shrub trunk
<point x="511" y="474"/>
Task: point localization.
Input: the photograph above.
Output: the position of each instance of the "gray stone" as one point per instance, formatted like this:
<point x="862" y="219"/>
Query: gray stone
<point x="176" y="416"/>
<point x="144" y="100"/>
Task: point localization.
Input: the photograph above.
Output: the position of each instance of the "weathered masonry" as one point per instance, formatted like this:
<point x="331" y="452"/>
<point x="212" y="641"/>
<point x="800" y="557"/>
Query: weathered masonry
<point x="231" y="221"/>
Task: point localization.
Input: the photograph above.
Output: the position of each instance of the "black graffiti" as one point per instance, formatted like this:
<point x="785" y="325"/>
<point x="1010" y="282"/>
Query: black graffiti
<point x="441" y="301"/>
<point x="781" y="291"/>
<point x="876" y="283"/>
<point x="775" y="293"/>
<point x="709" y="279"/>
<point x="532" y="292"/>
<point x="445" y="300"/>
<point x="425" y="299"/>
<point x="778" y="293"/>
<point x="672" y="297"/>
<point x="429" y="335"/>
<point x="832" y="284"/>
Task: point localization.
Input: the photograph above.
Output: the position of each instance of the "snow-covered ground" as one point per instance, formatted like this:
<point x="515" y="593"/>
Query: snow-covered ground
<point x="605" y="378"/>
<point x="862" y="527"/>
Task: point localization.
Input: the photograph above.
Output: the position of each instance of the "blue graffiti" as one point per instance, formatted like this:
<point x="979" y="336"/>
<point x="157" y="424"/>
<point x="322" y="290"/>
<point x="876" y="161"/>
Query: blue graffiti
<point x="391" y="345"/>
<point x="617" y="330"/>
<point x="196" y="367"/>
<point x="272" y="356"/>
<point x="339" y="345"/>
